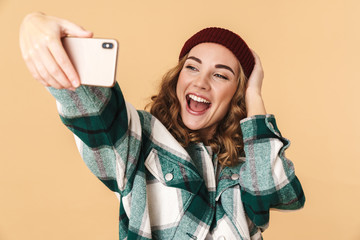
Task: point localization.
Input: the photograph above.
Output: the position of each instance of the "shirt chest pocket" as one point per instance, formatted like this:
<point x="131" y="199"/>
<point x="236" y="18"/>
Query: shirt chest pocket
<point x="170" y="189"/>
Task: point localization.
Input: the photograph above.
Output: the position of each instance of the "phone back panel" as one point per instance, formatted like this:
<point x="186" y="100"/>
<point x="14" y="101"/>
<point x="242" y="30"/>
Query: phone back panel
<point x="94" y="59"/>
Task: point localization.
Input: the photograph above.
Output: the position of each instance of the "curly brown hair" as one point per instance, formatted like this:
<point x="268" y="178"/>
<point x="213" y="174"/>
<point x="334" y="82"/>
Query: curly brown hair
<point x="227" y="141"/>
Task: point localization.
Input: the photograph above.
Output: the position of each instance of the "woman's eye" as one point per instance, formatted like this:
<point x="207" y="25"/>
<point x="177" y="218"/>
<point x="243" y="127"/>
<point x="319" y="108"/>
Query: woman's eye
<point x="191" y="68"/>
<point x="221" y="76"/>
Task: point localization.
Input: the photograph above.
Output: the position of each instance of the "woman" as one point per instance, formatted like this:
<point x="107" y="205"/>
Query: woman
<point x="187" y="169"/>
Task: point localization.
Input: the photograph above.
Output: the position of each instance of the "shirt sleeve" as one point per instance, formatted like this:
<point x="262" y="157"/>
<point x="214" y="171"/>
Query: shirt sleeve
<point x="104" y="126"/>
<point x="267" y="177"/>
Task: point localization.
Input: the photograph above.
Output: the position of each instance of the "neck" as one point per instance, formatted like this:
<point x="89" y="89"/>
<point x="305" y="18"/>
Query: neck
<point x="207" y="134"/>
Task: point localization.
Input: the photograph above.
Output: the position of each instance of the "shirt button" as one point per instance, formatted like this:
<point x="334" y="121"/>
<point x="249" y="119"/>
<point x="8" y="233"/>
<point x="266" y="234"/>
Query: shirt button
<point x="221" y="238"/>
<point x="235" y="176"/>
<point x="169" y="176"/>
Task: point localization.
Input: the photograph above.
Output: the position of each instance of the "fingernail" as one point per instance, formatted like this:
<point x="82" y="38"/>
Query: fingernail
<point x="75" y="83"/>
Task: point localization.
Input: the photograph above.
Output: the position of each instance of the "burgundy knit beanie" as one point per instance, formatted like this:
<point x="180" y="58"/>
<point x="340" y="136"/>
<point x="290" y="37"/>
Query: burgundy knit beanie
<point x="228" y="39"/>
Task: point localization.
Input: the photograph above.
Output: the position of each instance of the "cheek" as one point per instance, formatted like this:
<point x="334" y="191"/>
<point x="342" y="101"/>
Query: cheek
<point x="227" y="93"/>
<point x="178" y="89"/>
<point x="225" y="108"/>
<point x="180" y="85"/>
<point x="226" y="98"/>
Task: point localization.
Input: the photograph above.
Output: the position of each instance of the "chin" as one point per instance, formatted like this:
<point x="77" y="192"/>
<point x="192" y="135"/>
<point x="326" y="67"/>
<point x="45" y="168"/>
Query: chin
<point x="195" y="126"/>
<point x="192" y="127"/>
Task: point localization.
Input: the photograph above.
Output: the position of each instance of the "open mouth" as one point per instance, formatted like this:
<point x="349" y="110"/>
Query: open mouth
<point x="197" y="104"/>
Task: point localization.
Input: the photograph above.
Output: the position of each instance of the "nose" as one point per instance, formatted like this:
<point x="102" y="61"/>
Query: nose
<point x="202" y="82"/>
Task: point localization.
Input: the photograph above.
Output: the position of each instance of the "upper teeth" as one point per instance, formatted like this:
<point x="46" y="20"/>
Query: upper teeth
<point x="198" y="99"/>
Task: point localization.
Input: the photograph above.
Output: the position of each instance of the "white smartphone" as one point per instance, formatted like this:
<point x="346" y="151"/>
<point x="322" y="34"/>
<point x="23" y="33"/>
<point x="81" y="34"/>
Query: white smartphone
<point x="94" y="59"/>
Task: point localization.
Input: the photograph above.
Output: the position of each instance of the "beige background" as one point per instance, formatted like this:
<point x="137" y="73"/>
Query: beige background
<point x="310" y="53"/>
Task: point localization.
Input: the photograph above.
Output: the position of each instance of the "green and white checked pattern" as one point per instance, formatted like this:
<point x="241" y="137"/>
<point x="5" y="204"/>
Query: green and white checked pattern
<point x="168" y="192"/>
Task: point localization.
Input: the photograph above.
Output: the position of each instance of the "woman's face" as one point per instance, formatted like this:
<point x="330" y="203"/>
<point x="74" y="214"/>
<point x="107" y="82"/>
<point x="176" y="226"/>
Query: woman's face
<point x="206" y="85"/>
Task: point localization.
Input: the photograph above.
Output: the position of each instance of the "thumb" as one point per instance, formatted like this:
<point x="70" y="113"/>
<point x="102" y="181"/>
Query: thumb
<point x="69" y="28"/>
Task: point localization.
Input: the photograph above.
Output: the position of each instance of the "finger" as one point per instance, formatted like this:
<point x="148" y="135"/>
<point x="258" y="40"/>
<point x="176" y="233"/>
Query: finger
<point x="258" y="66"/>
<point x="58" y="52"/>
<point x="69" y="28"/>
<point x="44" y="74"/>
<point x="27" y="56"/>
<point x="35" y="73"/>
<point x="54" y="63"/>
<point x="54" y="69"/>
<point x="256" y="57"/>
<point x="53" y="83"/>
<point x="49" y="80"/>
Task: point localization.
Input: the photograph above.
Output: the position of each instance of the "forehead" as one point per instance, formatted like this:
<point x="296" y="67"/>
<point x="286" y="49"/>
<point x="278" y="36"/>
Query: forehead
<point x="214" y="51"/>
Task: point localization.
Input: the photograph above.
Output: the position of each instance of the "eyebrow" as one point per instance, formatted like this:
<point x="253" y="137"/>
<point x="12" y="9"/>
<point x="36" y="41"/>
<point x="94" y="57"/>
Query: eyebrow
<point x="225" y="67"/>
<point x="195" y="59"/>
<point x="216" y="66"/>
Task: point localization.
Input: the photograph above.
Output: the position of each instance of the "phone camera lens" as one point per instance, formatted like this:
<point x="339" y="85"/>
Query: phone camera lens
<point x="107" y="45"/>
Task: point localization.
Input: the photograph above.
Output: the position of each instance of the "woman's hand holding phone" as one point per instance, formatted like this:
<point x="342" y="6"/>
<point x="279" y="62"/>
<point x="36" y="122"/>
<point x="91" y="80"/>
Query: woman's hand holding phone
<point x="43" y="52"/>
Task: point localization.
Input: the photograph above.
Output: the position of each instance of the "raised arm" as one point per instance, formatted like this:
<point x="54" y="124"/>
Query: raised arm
<point x="253" y="98"/>
<point x="268" y="178"/>
<point x="42" y="50"/>
<point x="107" y="130"/>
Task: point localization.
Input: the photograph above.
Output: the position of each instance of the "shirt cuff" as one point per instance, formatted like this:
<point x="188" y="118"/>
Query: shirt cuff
<point x="259" y="126"/>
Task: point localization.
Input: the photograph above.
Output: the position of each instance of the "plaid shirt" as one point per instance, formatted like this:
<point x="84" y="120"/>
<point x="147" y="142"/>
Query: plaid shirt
<point x="170" y="192"/>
